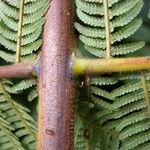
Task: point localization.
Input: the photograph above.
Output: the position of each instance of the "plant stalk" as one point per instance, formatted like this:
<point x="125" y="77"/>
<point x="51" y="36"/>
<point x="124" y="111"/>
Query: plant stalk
<point x="18" y="71"/>
<point x="107" y="29"/>
<point x="101" y="66"/>
<point x="19" y="36"/>
<point x="56" y="86"/>
<point x="81" y="67"/>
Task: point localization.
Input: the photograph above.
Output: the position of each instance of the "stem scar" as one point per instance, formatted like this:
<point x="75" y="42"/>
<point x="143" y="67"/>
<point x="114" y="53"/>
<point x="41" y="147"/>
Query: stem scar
<point x="50" y="132"/>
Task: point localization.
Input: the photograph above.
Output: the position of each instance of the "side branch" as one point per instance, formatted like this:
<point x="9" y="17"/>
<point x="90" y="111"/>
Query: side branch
<point x="18" y="71"/>
<point x="101" y="66"/>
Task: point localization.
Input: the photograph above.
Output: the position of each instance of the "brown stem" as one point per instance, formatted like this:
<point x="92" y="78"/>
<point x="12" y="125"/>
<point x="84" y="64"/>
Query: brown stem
<point x="18" y="71"/>
<point x="55" y="128"/>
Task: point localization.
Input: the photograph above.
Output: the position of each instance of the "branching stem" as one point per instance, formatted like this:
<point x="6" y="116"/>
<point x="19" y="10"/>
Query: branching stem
<point x="82" y="66"/>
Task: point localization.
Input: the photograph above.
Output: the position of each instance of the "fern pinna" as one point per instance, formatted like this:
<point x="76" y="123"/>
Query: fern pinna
<point x="21" y="24"/>
<point x="119" y="104"/>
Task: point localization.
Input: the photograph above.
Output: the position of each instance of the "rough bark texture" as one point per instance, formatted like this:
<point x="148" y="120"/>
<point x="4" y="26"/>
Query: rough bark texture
<point x="56" y="83"/>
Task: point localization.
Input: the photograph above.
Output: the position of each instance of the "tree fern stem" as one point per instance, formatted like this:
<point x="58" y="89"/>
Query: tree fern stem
<point x="18" y="71"/>
<point x="101" y="66"/>
<point x="19" y="36"/>
<point x="56" y="84"/>
<point x="107" y="29"/>
<point x="146" y="91"/>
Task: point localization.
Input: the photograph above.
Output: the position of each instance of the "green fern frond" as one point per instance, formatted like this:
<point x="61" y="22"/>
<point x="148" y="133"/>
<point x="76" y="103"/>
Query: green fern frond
<point x="7" y="139"/>
<point x="103" y="81"/>
<point x="121" y="102"/>
<point x="122" y="25"/>
<point x="86" y="136"/>
<point x="32" y="25"/>
<point x="139" y="127"/>
<point x="18" y="116"/>
<point x="8" y="57"/>
<point x="33" y="94"/>
<point x="19" y="87"/>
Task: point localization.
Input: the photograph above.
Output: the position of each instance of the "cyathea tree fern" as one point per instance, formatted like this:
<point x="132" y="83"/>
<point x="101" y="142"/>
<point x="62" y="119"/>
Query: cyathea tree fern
<point x="119" y="106"/>
<point x="112" y="110"/>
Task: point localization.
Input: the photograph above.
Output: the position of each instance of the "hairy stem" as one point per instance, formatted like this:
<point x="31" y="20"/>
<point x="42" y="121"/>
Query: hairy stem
<point x="18" y="71"/>
<point x="19" y="36"/>
<point x="107" y="29"/>
<point x="100" y="66"/>
<point x="82" y="66"/>
<point x="56" y="90"/>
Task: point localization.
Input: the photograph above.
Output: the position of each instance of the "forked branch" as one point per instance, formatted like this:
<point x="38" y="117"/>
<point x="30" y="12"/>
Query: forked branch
<point x="81" y="67"/>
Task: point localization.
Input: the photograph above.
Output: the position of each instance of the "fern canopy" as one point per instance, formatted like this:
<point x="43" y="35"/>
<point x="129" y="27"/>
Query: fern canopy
<point x="122" y="24"/>
<point x="32" y="26"/>
<point x="121" y="102"/>
<point x="114" y="114"/>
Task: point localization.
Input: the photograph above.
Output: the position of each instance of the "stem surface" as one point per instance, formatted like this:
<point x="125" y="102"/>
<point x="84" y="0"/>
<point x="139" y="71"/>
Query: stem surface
<point x="55" y="122"/>
<point x="18" y="71"/>
<point x="101" y="66"/>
